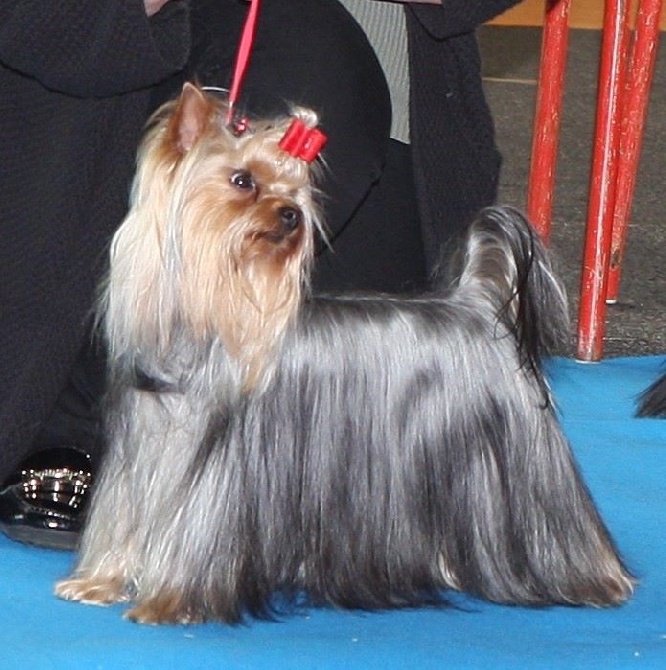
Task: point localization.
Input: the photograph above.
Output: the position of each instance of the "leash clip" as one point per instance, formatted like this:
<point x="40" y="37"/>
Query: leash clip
<point x="237" y="124"/>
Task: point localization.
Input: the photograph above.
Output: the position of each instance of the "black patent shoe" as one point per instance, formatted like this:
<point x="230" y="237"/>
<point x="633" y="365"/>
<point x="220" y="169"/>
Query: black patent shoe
<point x="45" y="502"/>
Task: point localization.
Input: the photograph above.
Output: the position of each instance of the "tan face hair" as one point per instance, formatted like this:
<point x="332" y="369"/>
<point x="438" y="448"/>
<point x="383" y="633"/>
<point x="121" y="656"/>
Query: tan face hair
<point x="224" y="224"/>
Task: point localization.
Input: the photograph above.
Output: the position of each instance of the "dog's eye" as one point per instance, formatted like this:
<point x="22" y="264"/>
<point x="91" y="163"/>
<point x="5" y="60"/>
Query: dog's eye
<point x="243" y="180"/>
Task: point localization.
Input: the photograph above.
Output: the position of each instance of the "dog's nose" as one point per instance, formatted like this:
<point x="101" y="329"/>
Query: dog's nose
<point x="290" y="218"/>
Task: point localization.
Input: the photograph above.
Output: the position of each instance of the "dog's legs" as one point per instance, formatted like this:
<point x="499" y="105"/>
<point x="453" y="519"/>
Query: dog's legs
<point x="531" y="532"/>
<point x="93" y="590"/>
<point x="164" y="523"/>
<point x="102" y="573"/>
<point x="127" y="498"/>
<point x="167" y="608"/>
<point x="195" y="559"/>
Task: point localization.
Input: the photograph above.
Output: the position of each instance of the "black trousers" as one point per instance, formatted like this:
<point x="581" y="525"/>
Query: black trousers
<point x="76" y="419"/>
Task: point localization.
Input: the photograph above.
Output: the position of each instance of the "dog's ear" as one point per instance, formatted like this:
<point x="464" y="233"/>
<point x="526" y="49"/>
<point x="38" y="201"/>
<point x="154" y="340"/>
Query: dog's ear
<point x="191" y="117"/>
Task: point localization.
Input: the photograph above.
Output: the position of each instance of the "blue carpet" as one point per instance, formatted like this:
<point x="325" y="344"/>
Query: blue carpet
<point x="624" y="461"/>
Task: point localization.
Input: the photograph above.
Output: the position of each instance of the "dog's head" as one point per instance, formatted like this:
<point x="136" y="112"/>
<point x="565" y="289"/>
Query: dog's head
<point x="220" y="236"/>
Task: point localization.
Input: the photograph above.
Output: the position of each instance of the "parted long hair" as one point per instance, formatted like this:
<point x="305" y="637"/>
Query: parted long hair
<point x="364" y="451"/>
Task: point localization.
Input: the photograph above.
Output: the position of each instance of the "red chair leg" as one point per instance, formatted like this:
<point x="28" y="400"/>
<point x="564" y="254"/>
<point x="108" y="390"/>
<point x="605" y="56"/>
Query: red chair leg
<point x="594" y="278"/>
<point x="545" y="136"/>
<point x="635" y="101"/>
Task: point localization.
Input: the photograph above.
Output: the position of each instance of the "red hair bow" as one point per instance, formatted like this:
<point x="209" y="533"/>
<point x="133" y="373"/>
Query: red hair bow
<point x="302" y="142"/>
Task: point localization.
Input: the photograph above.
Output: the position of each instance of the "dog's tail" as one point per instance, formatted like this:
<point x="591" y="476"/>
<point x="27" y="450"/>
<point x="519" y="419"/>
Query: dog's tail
<point x="504" y="259"/>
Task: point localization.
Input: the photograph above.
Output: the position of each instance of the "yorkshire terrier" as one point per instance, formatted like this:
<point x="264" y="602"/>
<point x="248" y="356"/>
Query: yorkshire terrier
<point x="271" y="448"/>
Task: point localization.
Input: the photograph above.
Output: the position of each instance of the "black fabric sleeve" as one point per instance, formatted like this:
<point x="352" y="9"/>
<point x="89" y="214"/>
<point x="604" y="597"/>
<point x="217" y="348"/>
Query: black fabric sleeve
<point x="456" y="17"/>
<point x="93" y="48"/>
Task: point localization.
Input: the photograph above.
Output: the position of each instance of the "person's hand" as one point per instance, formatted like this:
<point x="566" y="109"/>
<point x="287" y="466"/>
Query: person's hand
<point x="153" y="6"/>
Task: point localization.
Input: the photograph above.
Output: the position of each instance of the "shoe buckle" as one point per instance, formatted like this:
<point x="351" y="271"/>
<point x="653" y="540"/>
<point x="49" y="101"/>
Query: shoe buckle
<point x="61" y="486"/>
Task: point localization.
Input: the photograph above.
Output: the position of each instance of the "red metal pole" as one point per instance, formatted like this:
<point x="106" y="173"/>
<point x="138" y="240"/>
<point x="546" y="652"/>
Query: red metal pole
<point x="635" y="99"/>
<point x="545" y="136"/>
<point x="592" y="308"/>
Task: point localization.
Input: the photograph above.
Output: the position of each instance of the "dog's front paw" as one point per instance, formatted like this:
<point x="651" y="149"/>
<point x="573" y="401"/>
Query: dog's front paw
<point x="163" y="609"/>
<point x="97" y="590"/>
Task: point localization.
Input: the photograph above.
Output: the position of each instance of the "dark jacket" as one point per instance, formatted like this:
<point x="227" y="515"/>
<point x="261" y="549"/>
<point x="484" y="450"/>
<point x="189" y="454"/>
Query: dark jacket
<point x="456" y="162"/>
<point x="74" y="78"/>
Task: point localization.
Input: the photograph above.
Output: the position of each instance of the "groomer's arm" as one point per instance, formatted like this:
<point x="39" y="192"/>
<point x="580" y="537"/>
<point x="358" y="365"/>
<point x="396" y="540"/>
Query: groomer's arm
<point x="94" y="48"/>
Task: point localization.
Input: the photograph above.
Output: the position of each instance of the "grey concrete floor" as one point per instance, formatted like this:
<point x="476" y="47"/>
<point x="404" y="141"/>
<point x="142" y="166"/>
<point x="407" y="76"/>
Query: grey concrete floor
<point x="636" y="325"/>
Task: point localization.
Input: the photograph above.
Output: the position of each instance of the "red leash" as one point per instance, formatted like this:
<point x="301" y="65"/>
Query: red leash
<point x="299" y="140"/>
<point x="242" y="60"/>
